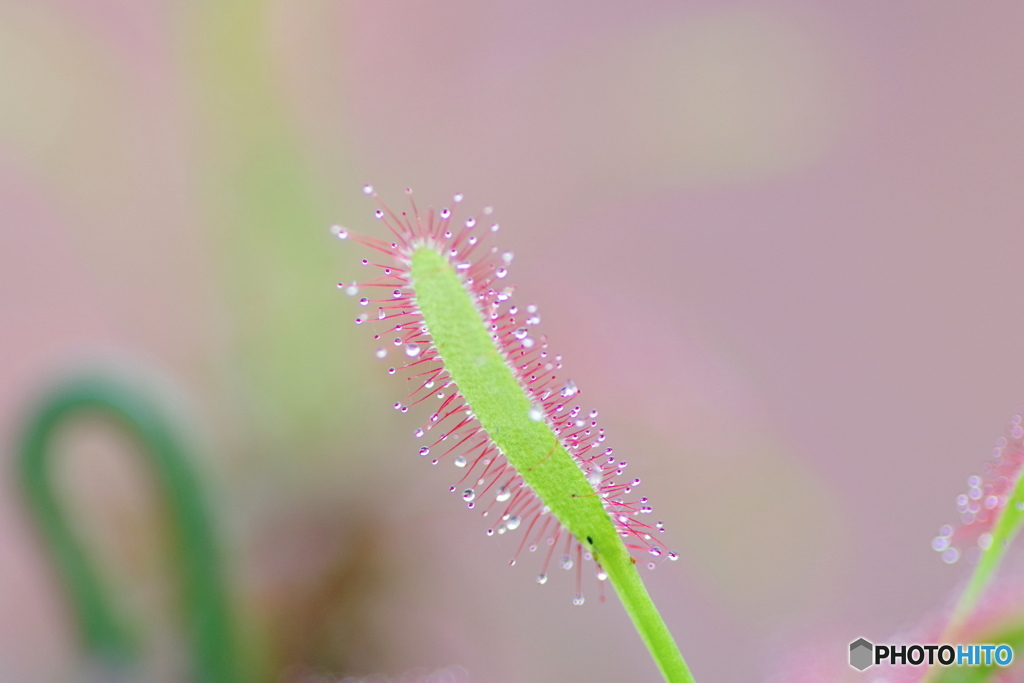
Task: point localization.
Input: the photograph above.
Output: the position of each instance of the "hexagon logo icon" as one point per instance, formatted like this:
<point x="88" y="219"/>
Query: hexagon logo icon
<point x="860" y="654"/>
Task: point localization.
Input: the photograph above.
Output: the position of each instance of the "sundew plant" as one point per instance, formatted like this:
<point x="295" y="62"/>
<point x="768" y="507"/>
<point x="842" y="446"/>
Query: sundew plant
<point x="528" y="456"/>
<point x="991" y="513"/>
<point x="534" y="462"/>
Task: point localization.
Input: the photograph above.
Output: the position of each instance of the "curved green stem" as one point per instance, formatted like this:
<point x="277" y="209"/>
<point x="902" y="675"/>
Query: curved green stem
<point x="204" y="601"/>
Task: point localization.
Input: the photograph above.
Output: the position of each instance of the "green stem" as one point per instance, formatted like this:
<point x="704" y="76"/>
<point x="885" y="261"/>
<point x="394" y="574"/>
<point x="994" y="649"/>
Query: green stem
<point x="648" y="623"/>
<point x="205" y="604"/>
<point x="1003" y="533"/>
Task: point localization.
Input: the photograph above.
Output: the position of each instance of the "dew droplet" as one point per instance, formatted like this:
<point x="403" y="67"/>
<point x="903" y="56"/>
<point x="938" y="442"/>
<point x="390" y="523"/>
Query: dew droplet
<point x="381" y="353"/>
<point x="577" y="599"/>
<point x="339" y="232"/>
<point x="542" y="579"/>
<point x="507" y="257"/>
<point x="566" y="562"/>
<point x="419" y="433"/>
<point x="513" y="523"/>
<point x="602" y="575"/>
<point x="468" y="495"/>
<point x="950" y="555"/>
<point x="501" y="273"/>
<point x="460" y="461"/>
<point x="503" y="494"/>
<point x="397" y="294"/>
<point x="412" y="350"/>
<point x="535" y="414"/>
<point x="985" y="541"/>
<point x="570" y="389"/>
<point x="352" y="290"/>
<point x="424" y="451"/>
<point x="367" y="189"/>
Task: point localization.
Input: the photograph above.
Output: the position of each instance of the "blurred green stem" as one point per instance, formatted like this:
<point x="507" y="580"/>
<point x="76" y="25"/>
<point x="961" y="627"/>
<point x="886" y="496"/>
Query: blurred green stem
<point x="204" y="602"/>
<point x="1003" y="532"/>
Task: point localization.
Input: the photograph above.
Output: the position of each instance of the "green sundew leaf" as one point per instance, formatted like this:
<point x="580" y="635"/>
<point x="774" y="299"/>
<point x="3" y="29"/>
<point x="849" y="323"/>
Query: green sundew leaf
<point x="499" y="403"/>
<point x="1005" y="529"/>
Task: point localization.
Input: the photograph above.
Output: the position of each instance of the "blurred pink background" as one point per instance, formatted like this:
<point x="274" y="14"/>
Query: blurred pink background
<point x="777" y="242"/>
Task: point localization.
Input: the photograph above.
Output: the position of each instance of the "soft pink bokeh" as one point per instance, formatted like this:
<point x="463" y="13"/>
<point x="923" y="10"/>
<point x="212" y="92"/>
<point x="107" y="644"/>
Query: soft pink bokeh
<point x="778" y="244"/>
